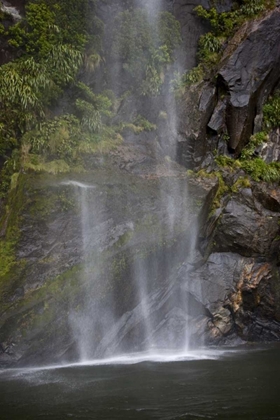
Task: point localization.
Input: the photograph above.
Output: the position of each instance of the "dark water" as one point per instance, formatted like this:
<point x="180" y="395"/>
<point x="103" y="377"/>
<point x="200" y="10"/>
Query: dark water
<point x="242" y="384"/>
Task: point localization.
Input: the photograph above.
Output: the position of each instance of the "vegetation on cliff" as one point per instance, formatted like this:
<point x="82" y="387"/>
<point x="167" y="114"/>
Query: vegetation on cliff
<point x="145" y="48"/>
<point x="54" y="45"/>
<point x="223" y="26"/>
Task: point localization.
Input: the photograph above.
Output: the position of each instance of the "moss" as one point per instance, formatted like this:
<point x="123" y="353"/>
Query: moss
<point x="222" y="190"/>
<point x="271" y="112"/>
<point x="242" y="182"/>
<point x="53" y="167"/>
<point x="255" y="141"/>
<point x="10" y="226"/>
<point x="124" y="239"/>
<point x="227" y="162"/>
<point x="262" y="171"/>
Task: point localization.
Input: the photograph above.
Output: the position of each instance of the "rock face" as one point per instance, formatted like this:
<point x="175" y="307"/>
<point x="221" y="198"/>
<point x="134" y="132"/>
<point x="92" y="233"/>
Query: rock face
<point x="238" y="281"/>
<point x="244" y="237"/>
<point x="192" y="26"/>
<point x="248" y="74"/>
<point x="93" y="235"/>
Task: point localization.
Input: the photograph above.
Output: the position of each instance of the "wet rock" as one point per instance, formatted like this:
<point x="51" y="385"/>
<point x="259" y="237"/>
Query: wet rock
<point x="249" y="74"/>
<point x="192" y="29"/>
<point x="217" y="120"/>
<point x="214" y="280"/>
<point x="6" y="360"/>
<point x="11" y="8"/>
<point x="246" y="227"/>
<point x="267" y="195"/>
<point x="223" y="321"/>
<point x="129" y="232"/>
<point x="195" y="111"/>
<point x="270" y="151"/>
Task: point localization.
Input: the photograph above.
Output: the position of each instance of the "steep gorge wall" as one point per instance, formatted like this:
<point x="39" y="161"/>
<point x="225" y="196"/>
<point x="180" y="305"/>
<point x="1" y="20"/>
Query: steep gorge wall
<point x="233" y="284"/>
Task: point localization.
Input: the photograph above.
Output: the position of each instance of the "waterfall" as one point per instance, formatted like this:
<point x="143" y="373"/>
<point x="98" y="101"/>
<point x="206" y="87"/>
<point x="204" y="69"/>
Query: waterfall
<point x="156" y="319"/>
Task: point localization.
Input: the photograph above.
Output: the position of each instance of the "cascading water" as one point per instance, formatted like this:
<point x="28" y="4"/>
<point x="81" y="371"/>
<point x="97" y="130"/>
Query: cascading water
<point x="157" y="321"/>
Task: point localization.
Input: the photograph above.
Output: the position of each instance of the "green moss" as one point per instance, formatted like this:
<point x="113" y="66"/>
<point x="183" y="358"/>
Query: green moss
<point x="10" y="229"/>
<point x="222" y="190"/>
<point x="242" y="182"/>
<point x="53" y="167"/>
<point x="124" y="239"/>
<point x="261" y="171"/>
<point x="255" y="141"/>
<point x="271" y="112"/>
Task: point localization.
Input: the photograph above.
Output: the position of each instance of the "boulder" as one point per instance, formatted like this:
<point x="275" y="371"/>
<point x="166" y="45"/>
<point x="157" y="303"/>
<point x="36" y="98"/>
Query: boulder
<point x="246" y="227"/>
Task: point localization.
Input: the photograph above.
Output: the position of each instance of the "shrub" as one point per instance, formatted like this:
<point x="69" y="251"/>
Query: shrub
<point x="255" y="141"/>
<point x="271" y="112"/>
<point x="261" y="171"/>
<point x="224" y="25"/>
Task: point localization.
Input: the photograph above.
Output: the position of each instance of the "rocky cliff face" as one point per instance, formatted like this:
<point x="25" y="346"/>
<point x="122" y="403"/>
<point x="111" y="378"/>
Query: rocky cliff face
<point x="130" y="228"/>
<point x="240" y="277"/>
<point x="228" y="291"/>
<point x="246" y="76"/>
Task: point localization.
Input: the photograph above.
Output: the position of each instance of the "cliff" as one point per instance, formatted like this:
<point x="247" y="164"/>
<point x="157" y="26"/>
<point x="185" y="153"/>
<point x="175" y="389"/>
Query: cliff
<point x="81" y="224"/>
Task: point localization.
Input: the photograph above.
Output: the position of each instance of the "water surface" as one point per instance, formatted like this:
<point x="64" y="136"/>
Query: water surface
<point x="215" y="384"/>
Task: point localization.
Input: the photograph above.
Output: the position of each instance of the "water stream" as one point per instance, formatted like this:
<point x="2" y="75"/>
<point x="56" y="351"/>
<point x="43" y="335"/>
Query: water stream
<point x="159" y="319"/>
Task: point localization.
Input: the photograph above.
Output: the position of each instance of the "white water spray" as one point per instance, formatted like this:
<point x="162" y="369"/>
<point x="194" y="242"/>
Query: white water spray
<point x="158" y="324"/>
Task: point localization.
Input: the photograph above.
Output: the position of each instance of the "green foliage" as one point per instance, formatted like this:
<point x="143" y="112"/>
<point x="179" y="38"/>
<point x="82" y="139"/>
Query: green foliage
<point x="66" y="138"/>
<point x="92" y="108"/>
<point x="28" y="86"/>
<point x="253" y="166"/>
<point x="38" y="33"/>
<point x="255" y="141"/>
<point x="132" y="38"/>
<point x="139" y="125"/>
<point x="227" y="162"/>
<point x="223" y="26"/>
<point x="169" y="32"/>
<point x="182" y="81"/>
<point x="145" y="49"/>
<point x="144" y="123"/>
<point x="50" y="42"/>
<point x="52" y="22"/>
<point x="261" y="171"/>
<point x="10" y="232"/>
<point x="271" y="112"/>
<point x="209" y="48"/>
<point x="242" y="182"/>
<point x="225" y="23"/>
<point x="56" y="138"/>
<point x="7" y="257"/>
<point x="11" y="166"/>
<point x="54" y="167"/>
<point x="62" y="63"/>
<point x="222" y="190"/>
